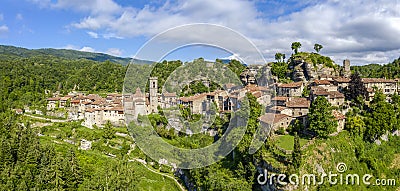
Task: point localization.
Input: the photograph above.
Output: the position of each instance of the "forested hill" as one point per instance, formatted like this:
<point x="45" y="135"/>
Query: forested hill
<point x="390" y="70"/>
<point x="65" y="54"/>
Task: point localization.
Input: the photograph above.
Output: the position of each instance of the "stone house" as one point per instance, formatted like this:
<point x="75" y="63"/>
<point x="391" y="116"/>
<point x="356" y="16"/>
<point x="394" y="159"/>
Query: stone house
<point x="294" y="89"/>
<point x="388" y="86"/>
<point x="168" y="100"/>
<point x="273" y="122"/>
<point x="195" y="103"/>
<point x="280" y="110"/>
<point x="279" y="101"/>
<point x="52" y="102"/>
<point x="340" y="118"/>
<point x="299" y="106"/>
<point x="325" y="84"/>
<point x="342" y="83"/>
<point x="335" y="98"/>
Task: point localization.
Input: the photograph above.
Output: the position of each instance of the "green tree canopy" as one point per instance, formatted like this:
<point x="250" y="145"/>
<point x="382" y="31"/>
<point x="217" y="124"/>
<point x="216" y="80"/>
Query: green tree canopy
<point x="322" y="122"/>
<point x="296" y="46"/>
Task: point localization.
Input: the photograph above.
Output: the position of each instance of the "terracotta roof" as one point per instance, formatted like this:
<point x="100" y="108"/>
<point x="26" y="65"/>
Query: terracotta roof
<point x="317" y="89"/>
<point x="117" y="109"/>
<point x="338" y="115"/>
<point x="230" y="85"/>
<point x="138" y="93"/>
<point x="257" y="94"/>
<point x="291" y="85"/>
<point x="322" y="82"/>
<point x="65" y="98"/>
<point x="193" y="98"/>
<point x="278" y="98"/>
<point x="377" y="80"/>
<point x="298" y="103"/>
<point x="331" y="94"/>
<point x="342" y="80"/>
<point x="90" y="110"/>
<point x="98" y="102"/>
<point x="271" y="118"/>
<point x="167" y="94"/>
<point x="76" y="101"/>
<point x="53" y="99"/>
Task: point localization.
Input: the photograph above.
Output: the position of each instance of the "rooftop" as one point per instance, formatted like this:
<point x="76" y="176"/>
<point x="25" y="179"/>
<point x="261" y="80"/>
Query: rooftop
<point x="291" y="85"/>
<point x="298" y="103"/>
<point x="377" y="80"/>
<point x="271" y="118"/>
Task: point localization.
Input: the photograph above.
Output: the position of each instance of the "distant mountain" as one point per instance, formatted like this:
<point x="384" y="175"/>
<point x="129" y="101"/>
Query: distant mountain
<point x="67" y="54"/>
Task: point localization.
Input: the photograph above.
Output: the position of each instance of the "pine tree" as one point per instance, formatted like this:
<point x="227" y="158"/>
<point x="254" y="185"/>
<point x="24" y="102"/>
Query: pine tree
<point x="71" y="171"/>
<point x="296" y="154"/>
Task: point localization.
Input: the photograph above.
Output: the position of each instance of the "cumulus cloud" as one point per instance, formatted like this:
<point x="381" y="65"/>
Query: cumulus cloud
<point x="87" y="49"/>
<point x="114" y="52"/>
<point x="93" y="34"/>
<point x="363" y="30"/>
<point x="3" y="29"/>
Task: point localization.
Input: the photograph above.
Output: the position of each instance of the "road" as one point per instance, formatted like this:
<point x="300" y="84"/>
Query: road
<point x="43" y="118"/>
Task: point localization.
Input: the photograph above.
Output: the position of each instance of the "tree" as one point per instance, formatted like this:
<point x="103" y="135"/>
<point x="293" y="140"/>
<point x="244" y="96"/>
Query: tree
<point x="71" y="171"/>
<point x="296" y="46"/>
<point x="380" y="119"/>
<point x="280" y="57"/>
<point x="109" y="132"/>
<point x="356" y="87"/>
<point x="279" y="69"/>
<point x="321" y="120"/>
<point x="318" y="47"/>
<point x="355" y="125"/>
<point x="296" y="154"/>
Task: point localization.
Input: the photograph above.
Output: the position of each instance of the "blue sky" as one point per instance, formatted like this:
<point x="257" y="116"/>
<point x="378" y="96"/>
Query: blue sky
<point x="364" y="31"/>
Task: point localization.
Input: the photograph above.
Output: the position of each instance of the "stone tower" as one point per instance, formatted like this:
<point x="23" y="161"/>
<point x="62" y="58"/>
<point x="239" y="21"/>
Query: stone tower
<point x="153" y="96"/>
<point x="346" y="68"/>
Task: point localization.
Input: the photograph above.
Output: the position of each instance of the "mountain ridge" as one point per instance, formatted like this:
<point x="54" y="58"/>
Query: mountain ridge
<point x="67" y="54"/>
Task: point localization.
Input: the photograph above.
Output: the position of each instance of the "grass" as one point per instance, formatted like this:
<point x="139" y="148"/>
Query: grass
<point x="287" y="141"/>
<point x="92" y="159"/>
<point x="360" y="157"/>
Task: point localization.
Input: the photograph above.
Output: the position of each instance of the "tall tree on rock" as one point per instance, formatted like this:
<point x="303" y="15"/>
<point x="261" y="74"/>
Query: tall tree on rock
<point x="296" y="46"/>
<point x="318" y="47"/>
<point x="280" y="57"/>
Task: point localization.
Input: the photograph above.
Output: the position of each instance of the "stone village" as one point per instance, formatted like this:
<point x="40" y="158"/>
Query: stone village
<point x="282" y="105"/>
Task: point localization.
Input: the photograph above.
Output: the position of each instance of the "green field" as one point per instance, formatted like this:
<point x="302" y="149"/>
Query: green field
<point x="287" y="141"/>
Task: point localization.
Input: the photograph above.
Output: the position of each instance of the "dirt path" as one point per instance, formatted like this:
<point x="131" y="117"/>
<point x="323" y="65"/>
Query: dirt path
<point x="43" y="118"/>
<point x="162" y="174"/>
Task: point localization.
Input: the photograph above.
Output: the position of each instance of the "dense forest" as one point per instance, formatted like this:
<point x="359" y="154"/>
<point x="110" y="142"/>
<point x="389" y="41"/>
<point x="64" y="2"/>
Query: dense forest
<point x="389" y="71"/>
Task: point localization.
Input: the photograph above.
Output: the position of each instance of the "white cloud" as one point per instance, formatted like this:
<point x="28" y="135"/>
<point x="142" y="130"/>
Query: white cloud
<point x="19" y="16"/>
<point x="93" y="34"/>
<point x="3" y="29"/>
<point x="93" y="6"/>
<point x="87" y="49"/>
<point x="363" y="30"/>
<point x="110" y="51"/>
<point x="114" y="52"/>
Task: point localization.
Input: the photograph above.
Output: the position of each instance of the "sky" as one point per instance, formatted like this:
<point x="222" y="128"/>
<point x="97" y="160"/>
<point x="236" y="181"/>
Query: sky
<point x="364" y="31"/>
